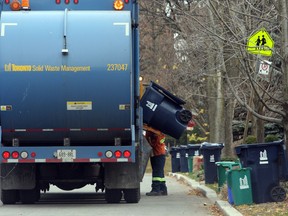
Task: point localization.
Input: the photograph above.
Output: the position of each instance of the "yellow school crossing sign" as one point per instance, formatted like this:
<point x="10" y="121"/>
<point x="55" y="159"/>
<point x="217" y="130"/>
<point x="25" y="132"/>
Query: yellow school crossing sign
<point x="260" y="43"/>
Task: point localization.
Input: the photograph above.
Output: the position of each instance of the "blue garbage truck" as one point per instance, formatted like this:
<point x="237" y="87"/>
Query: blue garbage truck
<point x="70" y="101"/>
<point x="69" y="96"/>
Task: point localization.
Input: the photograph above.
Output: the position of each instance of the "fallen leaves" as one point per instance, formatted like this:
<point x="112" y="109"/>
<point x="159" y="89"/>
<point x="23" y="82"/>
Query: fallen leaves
<point x="265" y="209"/>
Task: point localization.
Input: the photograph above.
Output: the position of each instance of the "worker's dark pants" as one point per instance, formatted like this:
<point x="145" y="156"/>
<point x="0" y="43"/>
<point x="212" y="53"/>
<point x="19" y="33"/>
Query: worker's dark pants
<point x="158" y="178"/>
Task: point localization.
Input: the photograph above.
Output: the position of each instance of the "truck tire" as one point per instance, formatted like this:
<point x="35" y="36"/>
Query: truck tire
<point x="132" y="195"/>
<point x="30" y="196"/>
<point x="10" y="196"/>
<point x="113" y="195"/>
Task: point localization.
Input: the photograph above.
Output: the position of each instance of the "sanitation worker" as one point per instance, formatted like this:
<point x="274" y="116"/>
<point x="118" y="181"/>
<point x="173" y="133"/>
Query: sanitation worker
<point x="157" y="141"/>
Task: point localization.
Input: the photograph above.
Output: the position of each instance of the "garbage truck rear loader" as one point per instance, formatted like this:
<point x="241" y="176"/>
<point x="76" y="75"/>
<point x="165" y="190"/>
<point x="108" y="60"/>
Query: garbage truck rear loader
<point x="71" y="113"/>
<point x="69" y="96"/>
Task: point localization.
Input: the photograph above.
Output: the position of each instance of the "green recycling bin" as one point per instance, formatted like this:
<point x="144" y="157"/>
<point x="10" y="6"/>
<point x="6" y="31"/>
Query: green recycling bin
<point x="222" y="167"/>
<point x="239" y="186"/>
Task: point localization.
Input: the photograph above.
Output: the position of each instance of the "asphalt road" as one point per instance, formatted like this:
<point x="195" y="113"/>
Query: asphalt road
<point x="86" y="202"/>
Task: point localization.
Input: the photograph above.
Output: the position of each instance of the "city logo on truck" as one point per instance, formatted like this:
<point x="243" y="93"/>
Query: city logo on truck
<point x="49" y="68"/>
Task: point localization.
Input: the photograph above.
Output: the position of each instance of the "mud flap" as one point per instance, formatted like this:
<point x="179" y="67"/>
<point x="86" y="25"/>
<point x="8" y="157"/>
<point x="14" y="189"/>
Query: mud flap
<point x="122" y="175"/>
<point x="127" y="175"/>
<point x="18" y="176"/>
<point x="145" y="155"/>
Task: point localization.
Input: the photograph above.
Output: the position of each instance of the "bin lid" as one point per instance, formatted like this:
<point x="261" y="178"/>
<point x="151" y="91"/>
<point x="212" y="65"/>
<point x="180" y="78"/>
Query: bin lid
<point x="239" y="148"/>
<point x="193" y="146"/>
<point x="207" y="145"/>
<point x="167" y="94"/>
<point x="228" y="164"/>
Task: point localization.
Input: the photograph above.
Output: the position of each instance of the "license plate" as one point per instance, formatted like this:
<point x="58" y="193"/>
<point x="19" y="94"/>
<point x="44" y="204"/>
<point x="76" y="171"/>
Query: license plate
<point x="66" y="155"/>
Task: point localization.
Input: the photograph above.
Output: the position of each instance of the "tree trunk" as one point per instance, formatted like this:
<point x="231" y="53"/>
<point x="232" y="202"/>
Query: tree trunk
<point x="229" y="114"/>
<point x="259" y="122"/>
<point x="216" y="112"/>
<point x="284" y="52"/>
<point x="211" y="89"/>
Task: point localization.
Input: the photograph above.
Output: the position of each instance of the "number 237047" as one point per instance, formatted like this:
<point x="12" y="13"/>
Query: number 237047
<point x="117" y="67"/>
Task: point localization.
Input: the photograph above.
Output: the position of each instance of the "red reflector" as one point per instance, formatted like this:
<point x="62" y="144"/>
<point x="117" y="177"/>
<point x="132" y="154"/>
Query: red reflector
<point x="76" y="1"/>
<point x="67" y="1"/>
<point x="33" y="154"/>
<point x="7" y="1"/>
<point x="58" y="1"/>
<point x="6" y="155"/>
<point x="100" y="154"/>
<point x="15" y="155"/>
<point x="118" y="154"/>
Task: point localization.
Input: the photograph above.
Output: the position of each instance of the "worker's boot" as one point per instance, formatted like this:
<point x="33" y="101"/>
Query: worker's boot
<point x="163" y="189"/>
<point x="154" y="193"/>
<point x="156" y="189"/>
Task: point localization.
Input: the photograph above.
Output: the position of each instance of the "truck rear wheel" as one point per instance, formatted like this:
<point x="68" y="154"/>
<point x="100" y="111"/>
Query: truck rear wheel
<point x="132" y="195"/>
<point x="29" y="196"/>
<point x="10" y="196"/>
<point x="113" y="195"/>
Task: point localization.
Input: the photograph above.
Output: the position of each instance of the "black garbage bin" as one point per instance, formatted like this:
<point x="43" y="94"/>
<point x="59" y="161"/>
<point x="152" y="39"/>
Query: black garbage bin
<point x="175" y="159"/>
<point x="265" y="160"/>
<point x="184" y="158"/>
<point x="193" y="150"/>
<point x="211" y="153"/>
<point x="163" y="111"/>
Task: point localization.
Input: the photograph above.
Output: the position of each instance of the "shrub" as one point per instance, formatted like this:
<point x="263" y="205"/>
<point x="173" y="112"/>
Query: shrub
<point x="271" y="138"/>
<point x="250" y="139"/>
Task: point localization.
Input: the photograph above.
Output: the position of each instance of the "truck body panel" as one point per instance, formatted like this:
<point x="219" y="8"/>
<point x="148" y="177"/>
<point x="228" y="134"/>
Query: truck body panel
<point x="76" y="90"/>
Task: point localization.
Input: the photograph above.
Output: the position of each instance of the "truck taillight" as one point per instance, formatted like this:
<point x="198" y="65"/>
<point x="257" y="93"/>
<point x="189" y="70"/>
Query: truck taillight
<point x="126" y="1"/>
<point x="7" y="1"/>
<point x="108" y="154"/>
<point x="6" y="155"/>
<point x="67" y="1"/>
<point x="15" y="155"/>
<point x="58" y="1"/>
<point x="118" y="5"/>
<point x="76" y="1"/>
<point x="118" y="154"/>
<point x="127" y="154"/>
<point x="24" y="155"/>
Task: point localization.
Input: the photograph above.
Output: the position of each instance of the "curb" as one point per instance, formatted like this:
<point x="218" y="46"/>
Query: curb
<point x="224" y="206"/>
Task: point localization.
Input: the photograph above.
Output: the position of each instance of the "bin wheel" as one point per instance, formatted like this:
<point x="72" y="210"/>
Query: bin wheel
<point x="278" y="194"/>
<point x="184" y="116"/>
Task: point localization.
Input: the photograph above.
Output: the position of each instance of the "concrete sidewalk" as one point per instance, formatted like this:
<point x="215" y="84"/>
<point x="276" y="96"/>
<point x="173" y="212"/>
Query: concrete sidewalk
<point x="224" y="206"/>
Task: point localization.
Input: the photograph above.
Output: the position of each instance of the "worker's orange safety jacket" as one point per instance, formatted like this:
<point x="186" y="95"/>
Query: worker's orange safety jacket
<point x="157" y="142"/>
